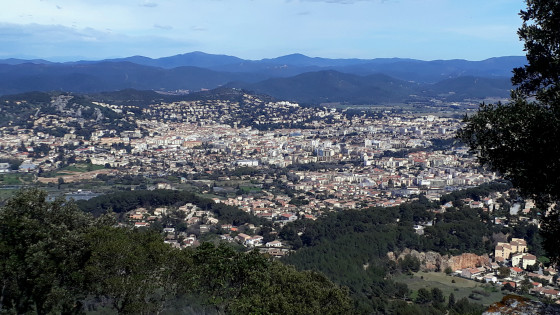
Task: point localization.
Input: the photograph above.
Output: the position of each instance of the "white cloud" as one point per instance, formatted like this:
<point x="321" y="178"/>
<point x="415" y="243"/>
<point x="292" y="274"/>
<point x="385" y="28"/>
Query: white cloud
<point x="148" y="4"/>
<point x="58" y="41"/>
<point x="199" y="29"/>
<point x="163" y="27"/>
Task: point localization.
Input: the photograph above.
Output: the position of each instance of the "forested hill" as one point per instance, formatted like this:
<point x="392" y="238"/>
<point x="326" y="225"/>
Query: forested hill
<point x="333" y="86"/>
<point x="56" y="259"/>
<point x="351" y="247"/>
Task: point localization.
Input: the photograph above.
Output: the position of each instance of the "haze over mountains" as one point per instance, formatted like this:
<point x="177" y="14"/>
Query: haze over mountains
<point x="294" y="77"/>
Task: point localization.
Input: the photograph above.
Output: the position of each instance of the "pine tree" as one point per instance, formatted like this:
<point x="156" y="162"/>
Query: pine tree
<point x="451" y="301"/>
<point x="521" y="139"/>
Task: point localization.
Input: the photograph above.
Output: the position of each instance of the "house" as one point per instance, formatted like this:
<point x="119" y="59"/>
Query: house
<point x="518" y="245"/>
<point x="247" y="163"/>
<point x="515" y="271"/>
<point x="136" y="216"/>
<point x="276" y="252"/>
<point x="266" y="215"/>
<point x="471" y="273"/>
<point x="476" y="204"/>
<point x="226" y="237"/>
<point x="310" y="217"/>
<point x="141" y="224"/>
<point x="254" y="241"/>
<point x="4" y="167"/>
<point x="274" y="244"/>
<point x="204" y="228"/>
<point x="226" y="227"/>
<point x="490" y="278"/>
<point x="516" y="259"/>
<point x="211" y="221"/>
<point x="288" y="217"/>
<point x="242" y="238"/>
<point x="190" y="241"/>
<point x="528" y="260"/>
<point x="551" y="293"/>
<point x="160" y="211"/>
<point x="419" y="229"/>
<point x="502" y="250"/>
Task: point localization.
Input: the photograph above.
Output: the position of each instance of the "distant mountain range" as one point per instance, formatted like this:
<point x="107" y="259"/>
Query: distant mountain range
<point x="292" y="77"/>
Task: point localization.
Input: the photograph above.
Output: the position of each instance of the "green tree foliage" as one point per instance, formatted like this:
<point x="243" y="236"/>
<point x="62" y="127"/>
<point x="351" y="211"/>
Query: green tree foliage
<point x="525" y="286"/>
<point x="437" y="295"/>
<point x="503" y="272"/>
<point x="55" y="258"/>
<point x="409" y="264"/>
<point x="249" y="283"/>
<point x="459" y="231"/>
<point x="424" y="296"/>
<point x="41" y="254"/>
<point x="463" y="306"/>
<point x="521" y="139"/>
<point x="540" y="34"/>
<point x="451" y="300"/>
<point x="132" y="268"/>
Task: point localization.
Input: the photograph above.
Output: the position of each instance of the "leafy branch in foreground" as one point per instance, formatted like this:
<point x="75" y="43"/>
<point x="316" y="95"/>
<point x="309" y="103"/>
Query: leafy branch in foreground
<point x="55" y="258"/>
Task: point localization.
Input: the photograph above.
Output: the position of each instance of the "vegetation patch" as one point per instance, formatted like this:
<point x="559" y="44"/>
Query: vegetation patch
<point x="461" y="288"/>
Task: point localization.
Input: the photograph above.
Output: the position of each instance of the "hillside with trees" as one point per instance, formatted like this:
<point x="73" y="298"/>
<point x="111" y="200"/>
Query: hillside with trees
<point x="58" y="259"/>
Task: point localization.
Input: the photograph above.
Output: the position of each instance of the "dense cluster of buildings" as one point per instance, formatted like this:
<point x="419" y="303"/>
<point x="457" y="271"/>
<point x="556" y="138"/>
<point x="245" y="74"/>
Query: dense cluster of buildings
<point x="381" y="161"/>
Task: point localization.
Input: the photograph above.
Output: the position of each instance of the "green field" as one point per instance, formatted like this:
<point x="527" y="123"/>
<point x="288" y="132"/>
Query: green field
<point x="461" y="288"/>
<point x="16" y="178"/>
<point x="82" y="168"/>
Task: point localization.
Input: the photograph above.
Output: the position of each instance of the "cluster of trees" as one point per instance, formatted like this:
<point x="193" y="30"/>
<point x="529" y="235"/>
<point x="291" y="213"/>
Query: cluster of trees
<point x="351" y="248"/>
<point x="459" y="231"/>
<point x="55" y="258"/>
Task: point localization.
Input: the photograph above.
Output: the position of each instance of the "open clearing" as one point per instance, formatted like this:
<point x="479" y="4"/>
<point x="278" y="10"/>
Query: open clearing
<point x="487" y="293"/>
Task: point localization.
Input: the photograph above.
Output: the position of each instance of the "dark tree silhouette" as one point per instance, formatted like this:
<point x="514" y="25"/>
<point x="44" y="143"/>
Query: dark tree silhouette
<point x="521" y="139"/>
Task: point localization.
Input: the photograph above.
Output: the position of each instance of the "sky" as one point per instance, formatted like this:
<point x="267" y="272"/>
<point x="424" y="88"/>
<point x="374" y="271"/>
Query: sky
<point x="64" y="30"/>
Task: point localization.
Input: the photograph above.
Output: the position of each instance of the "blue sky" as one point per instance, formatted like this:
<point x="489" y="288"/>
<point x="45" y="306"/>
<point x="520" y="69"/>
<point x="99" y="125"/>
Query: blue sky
<point x="256" y="29"/>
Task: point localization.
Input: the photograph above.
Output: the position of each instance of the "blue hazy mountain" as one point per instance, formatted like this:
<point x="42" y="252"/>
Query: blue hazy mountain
<point x="333" y="86"/>
<point x="296" y="76"/>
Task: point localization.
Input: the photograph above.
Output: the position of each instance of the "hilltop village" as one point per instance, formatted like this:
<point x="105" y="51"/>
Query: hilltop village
<point x="276" y="160"/>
